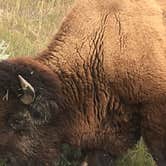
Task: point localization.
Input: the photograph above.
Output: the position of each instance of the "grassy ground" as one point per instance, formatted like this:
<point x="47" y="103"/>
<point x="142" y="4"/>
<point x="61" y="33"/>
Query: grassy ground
<point x="26" y="25"/>
<point x="25" y="28"/>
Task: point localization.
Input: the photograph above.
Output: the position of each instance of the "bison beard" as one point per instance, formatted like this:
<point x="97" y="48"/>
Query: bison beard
<point x="92" y="87"/>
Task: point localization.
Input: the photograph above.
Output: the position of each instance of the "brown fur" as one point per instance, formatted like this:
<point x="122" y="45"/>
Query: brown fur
<point x="100" y="85"/>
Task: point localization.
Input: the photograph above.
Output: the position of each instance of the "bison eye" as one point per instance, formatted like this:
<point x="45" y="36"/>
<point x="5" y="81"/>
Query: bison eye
<point x="40" y="116"/>
<point x="40" y="111"/>
<point x="36" y="114"/>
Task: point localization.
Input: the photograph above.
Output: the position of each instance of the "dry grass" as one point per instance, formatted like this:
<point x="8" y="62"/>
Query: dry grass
<point x="27" y="25"/>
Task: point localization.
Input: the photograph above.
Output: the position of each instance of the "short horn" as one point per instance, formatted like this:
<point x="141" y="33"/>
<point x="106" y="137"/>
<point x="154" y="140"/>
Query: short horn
<point x="29" y="92"/>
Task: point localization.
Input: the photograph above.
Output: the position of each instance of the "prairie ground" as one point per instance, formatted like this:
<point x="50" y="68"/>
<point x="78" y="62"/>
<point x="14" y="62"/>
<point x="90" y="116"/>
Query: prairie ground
<point x="26" y="26"/>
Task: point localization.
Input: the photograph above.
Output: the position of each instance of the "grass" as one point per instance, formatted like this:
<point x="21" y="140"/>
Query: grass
<point x="27" y="25"/>
<point x="25" y="28"/>
<point x="138" y="156"/>
<point x="2" y="163"/>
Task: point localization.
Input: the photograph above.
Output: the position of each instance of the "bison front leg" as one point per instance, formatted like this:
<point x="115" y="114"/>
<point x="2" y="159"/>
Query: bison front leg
<point x="98" y="158"/>
<point x="154" y="131"/>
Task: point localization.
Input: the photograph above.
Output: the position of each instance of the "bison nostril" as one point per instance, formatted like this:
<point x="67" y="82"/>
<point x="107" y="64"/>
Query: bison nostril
<point x="36" y="114"/>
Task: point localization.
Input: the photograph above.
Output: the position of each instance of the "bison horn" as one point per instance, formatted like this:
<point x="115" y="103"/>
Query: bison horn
<point x="29" y="92"/>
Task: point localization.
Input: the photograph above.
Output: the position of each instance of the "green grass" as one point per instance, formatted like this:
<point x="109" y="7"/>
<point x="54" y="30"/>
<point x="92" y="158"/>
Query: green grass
<point x="25" y="28"/>
<point x="138" y="156"/>
<point x="2" y="163"/>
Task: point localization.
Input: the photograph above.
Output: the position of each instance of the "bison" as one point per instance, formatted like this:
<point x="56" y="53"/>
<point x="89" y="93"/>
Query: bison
<point x="99" y="85"/>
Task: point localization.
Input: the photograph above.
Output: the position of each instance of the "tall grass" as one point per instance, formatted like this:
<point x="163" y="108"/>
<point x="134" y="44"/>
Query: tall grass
<point x="25" y="28"/>
<point x="27" y="24"/>
<point x="3" y="48"/>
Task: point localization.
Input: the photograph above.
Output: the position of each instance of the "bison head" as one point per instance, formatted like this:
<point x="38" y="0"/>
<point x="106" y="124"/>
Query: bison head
<point x="27" y="104"/>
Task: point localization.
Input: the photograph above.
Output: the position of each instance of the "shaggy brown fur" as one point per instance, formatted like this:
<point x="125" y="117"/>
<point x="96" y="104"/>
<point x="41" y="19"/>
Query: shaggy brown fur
<point x="100" y="85"/>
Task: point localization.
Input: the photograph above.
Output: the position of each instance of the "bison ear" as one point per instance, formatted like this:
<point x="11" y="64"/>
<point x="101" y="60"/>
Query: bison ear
<point x="29" y="92"/>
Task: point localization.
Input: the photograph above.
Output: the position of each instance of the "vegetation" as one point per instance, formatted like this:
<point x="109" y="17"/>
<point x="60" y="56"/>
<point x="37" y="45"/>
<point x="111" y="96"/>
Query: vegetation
<point x="27" y="25"/>
<point x="25" y="28"/>
<point x="138" y="156"/>
<point x="2" y="163"/>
